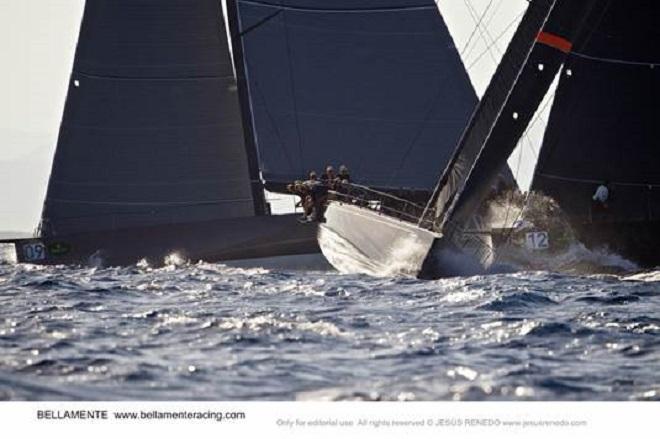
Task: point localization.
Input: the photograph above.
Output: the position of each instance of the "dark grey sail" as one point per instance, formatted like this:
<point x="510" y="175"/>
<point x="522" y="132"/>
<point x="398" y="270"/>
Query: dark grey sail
<point x="604" y="127"/>
<point x="528" y="68"/>
<point x="377" y="85"/>
<point x="151" y="132"/>
<point x="151" y="156"/>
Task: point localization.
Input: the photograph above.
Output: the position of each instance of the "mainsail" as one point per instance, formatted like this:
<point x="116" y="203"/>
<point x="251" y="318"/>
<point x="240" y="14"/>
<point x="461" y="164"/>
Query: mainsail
<point x="152" y="131"/>
<point x="529" y="66"/>
<point x="604" y="122"/>
<point x="377" y="85"/>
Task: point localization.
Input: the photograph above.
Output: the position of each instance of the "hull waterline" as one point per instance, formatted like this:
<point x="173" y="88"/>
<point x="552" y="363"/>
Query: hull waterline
<point x="233" y="240"/>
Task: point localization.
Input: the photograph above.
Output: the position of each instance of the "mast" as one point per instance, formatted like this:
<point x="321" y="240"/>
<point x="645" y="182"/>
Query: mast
<point x="536" y="53"/>
<point x="240" y="67"/>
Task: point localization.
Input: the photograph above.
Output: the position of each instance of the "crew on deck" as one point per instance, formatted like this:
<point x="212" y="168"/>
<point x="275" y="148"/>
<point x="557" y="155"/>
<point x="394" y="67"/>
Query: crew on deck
<point x="602" y="194"/>
<point x="329" y="177"/>
<point x="314" y="193"/>
<point x="344" y="176"/>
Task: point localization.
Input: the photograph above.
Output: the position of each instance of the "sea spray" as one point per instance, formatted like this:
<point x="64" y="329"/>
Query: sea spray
<point x="406" y="256"/>
<point x="8" y="254"/>
<point x="515" y="214"/>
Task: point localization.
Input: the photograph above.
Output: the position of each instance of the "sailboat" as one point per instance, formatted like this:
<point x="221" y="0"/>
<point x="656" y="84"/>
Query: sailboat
<point x="553" y="38"/>
<point x="610" y="85"/>
<point x="169" y="139"/>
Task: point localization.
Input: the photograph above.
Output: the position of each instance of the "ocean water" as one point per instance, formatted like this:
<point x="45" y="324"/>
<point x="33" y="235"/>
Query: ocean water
<point x="210" y="332"/>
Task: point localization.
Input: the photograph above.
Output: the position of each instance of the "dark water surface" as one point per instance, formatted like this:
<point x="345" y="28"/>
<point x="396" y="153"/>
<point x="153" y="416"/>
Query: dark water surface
<point x="210" y="332"/>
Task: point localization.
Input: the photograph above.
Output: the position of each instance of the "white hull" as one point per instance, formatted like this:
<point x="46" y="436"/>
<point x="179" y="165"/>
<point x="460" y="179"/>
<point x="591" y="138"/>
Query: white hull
<point x="361" y="240"/>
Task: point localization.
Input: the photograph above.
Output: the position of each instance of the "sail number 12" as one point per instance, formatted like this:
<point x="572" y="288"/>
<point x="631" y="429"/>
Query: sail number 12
<point x="537" y="241"/>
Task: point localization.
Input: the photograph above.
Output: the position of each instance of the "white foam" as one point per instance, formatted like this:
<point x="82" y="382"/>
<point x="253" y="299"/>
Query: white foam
<point x="647" y="276"/>
<point x="540" y="211"/>
<point x="175" y="260"/>
<point x="8" y="254"/>
<point x="264" y="323"/>
<point x="576" y="258"/>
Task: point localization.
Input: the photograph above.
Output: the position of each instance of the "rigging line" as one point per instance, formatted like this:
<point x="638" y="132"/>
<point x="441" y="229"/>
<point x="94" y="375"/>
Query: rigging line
<point x="525" y="136"/>
<point x="539" y="117"/>
<point x="260" y="23"/>
<point x="418" y="134"/>
<point x="477" y="26"/>
<point x="496" y="40"/>
<point x="494" y="13"/>
<point x="293" y="91"/>
<point x="508" y="210"/>
<point x="486" y="37"/>
<point x="590" y="181"/>
<point x="528" y="194"/>
<point x="486" y="26"/>
<point x="155" y="78"/>
<point x="338" y="10"/>
<point x="510" y="235"/>
<point x="149" y="203"/>
<point x="276" y="129"/>
<point x="421" y="129"/>
<point x="262" y="96"/>
<point x="548" y="99"/>
<point x="614" y="60"/>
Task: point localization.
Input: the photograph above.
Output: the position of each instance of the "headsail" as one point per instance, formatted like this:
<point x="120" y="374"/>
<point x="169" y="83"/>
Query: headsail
<point x="530" y="64"/>
<point x="604" y="121"/>
<point x="375" y="84"/>
<point x="151" y="132"/>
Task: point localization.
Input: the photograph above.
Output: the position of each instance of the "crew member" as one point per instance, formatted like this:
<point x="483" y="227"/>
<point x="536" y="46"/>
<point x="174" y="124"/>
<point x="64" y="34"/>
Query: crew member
<point x="300" y="189"/>
<point x="602" y="194"/>
<point x="344" y="176"/>
<point x="329" y="177"/>
<point x="313" y="186"/>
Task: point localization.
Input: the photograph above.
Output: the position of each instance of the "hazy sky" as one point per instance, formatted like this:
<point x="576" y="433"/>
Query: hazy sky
<point x="37" y="43"/>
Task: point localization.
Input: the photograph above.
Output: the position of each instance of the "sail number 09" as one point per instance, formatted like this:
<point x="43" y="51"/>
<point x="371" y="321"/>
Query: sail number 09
<point x="35" y="251"/>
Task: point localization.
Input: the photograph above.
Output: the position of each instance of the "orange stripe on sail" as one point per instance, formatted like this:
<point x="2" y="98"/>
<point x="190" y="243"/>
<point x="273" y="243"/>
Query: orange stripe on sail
<point x="555" y="41"/>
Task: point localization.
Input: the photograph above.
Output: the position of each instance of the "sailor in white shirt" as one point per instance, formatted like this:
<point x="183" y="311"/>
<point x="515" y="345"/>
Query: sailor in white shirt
<point x="602" y="194"/>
